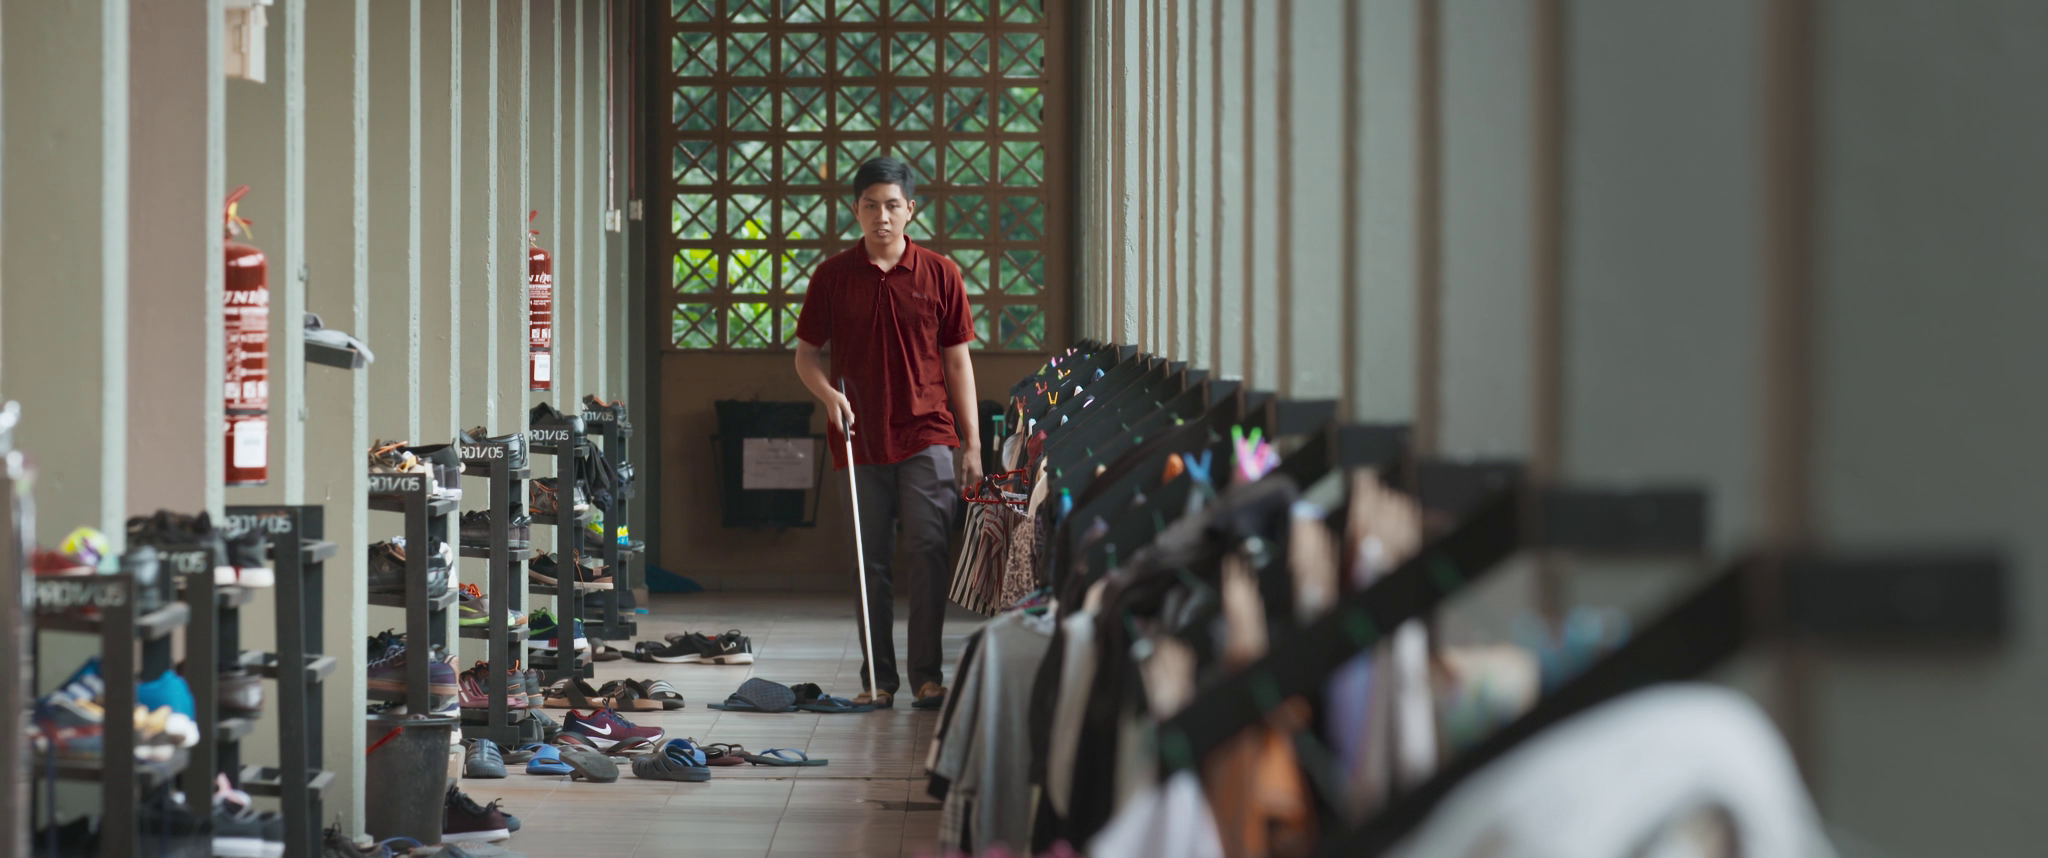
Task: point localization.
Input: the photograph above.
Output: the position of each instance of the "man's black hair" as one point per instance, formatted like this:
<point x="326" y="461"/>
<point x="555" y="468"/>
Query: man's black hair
<point x="884" y="171"/>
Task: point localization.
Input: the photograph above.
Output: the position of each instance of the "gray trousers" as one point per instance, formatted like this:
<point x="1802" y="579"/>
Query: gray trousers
<point x="918" y="495"/>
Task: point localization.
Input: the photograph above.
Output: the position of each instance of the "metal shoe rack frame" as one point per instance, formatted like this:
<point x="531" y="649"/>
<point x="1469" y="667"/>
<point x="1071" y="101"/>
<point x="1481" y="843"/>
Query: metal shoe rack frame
<point x="426" y="523"/>
<point x="560" y="441"/>
<point x="301" y="575"/>
<point x="492" y="460"/>
<point x="17" y="526"/>
<point x="120" y="775"/>
<point x="606" y="425"/>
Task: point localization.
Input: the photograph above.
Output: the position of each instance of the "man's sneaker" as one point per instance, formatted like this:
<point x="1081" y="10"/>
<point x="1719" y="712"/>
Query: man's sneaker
<point x="476" y="530"/>
<point x="388" y="569"/>
<point x="545" y="629"/>
<point x="248" y="556"/>
<point x="530" y="682"/>
<point x="467" y="822"/>
<point x="729" y="648"/>
<point x="680" y="651"/>
<point x="388" y="675"/>
<point x="543" y="498"/>
<point x="515" y="457"/>
<point x="484" y="760"/>
<point x="605" y="728"/>
<point x="473" y="610"/>
<point x="239" y="830"/>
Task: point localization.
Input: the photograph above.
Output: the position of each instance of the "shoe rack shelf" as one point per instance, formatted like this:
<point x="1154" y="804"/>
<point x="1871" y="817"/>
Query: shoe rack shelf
<point x="505" y="487"/>
<point x="559" y="439"/>
<point x="213" y="642"/>
<point x="298" y="557"/>
<point x="426" y="525"/>
<point x="333" y="356"/>
<point x="116" y="599"/>
<point x="615" y="619"/>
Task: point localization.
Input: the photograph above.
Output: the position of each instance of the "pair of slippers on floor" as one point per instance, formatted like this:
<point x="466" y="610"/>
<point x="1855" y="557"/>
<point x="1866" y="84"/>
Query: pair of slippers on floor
<point x="761" y="695"/>
<point x="635" y="695"/>
<point x="677" y="760"/>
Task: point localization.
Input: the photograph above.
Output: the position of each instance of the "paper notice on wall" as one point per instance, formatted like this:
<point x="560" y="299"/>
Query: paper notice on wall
<point x="252" y="443"/>
<point x="778" y="463"/>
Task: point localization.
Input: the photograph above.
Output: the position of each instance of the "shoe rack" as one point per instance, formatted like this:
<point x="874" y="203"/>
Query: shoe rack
<point x="506" y="485"/>
<point x="215" y="629"/>
<point x="17" y="526"/>
<point x="67" y="604"/>
<point x="428" y="521"/>
<point x="298" y="705"/>
<point x="615" y="605"/>
<point x="560" y="441"/>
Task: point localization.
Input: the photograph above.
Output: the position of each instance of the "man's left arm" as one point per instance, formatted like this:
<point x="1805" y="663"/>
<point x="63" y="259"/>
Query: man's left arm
<point x="966" y="413"/>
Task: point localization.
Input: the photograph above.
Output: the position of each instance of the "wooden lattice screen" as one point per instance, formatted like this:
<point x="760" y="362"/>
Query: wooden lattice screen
<point x="775" y="103"/>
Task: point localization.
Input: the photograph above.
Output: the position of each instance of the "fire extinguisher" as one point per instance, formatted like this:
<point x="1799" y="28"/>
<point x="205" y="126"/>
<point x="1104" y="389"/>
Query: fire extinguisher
<point x="540" y="311"/>
<point x="247" y="327"/>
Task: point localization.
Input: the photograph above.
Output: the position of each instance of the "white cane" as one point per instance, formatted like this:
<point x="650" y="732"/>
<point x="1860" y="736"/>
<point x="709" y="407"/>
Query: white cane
<point x="860" y="555"/>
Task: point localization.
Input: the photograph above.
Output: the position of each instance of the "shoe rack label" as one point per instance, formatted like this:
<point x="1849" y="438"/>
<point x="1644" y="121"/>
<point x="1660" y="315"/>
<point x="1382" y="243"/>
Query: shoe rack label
<point x="189" y="561"/>
<point x="274" y="524"/>
<point x="61" y="595"/>
<point x="599" y="417"/>
<point x="472" y="452"/>
<point x="549" y="436"/>
<point x="381" y="484"/>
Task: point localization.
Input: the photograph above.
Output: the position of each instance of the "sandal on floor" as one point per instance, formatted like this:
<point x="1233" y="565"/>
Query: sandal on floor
<point x="547" y="760"/>
<point x="676" y="761"/>
<point x="630" y="747"/>
<point x="722" y="754"/>
<point x="589" y="765"/>
<point x="783" y="757"/>
<point x="573" y="694"/>
<point x="653" y="695"/>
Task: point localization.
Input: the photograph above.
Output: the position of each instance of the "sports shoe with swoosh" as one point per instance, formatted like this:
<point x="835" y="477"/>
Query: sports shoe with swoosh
<point x="605" y="728"/>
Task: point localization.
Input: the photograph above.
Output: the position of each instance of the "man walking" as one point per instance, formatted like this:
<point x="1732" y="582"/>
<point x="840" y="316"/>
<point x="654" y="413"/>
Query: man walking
<point x="896" y="319"/>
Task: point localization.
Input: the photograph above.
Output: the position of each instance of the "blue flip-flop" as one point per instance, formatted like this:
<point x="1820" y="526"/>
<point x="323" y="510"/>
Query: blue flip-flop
<point x="547" y="760"/>
<point x="830" y="705"/>
<point x="783" y="757"/>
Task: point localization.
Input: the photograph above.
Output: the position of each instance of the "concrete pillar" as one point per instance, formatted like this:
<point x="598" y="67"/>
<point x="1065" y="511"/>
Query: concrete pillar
<point x="394" y="206"/>
<point x="66" y="337"/>
<point x="1233" y="185"/>
<point x="337" y="247"/>
<point x="1263" y="198"/>
<point x="1127" y="99"/>
<point x="587" y="294"/>
<point x="1200" y="182"/>
<point x="544" y="166"/>
<point x="439" y="220"/>
<point x="1486" y="224"/>
<point x="1381" y="330"/>
<point x="1180" y="163"/>
<point x="477" y="227"/>
<point x="175" y="361"/>
<point x="514" y="73"/>
<point x="1317" y="157"/>
<point x="1927" y="411"/>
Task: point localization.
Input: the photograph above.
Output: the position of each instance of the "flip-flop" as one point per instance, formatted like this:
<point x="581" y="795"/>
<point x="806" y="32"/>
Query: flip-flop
<point x="590" y="765"/>
<point x="547" y="760"/>
<point x="676" y="761"/>
<point x="830" y="705"/>
<point x="783" y="757"/>
<point x="630" y="747"/>
<point x="722" y="754"/>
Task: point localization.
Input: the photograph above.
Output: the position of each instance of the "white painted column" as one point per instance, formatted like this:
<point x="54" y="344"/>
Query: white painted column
<point x="440" y="165"/>
<point x="1233" y="186"/>
<point x="1382" y="328"/>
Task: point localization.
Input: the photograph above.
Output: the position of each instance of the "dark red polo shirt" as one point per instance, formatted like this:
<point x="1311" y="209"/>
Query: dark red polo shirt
<point x="888" y="331"/>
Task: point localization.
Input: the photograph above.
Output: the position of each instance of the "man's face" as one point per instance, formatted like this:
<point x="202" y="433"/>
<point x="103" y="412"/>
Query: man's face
<point x="883" y="211"/>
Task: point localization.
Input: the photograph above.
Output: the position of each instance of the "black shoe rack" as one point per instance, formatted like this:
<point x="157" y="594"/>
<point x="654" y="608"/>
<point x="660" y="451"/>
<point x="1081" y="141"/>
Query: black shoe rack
<point x="492" y="460"/>
<point x="561" y="441"/>
<point x="17" y="528"/>
<point x="614" y="607"/>
<point x="298" y="555"/>
<point x="63" y="605"/>
<point x="426" y="614"/>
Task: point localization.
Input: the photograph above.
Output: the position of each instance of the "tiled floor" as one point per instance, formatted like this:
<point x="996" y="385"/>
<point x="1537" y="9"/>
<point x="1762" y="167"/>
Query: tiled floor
<point x="869" y="802"/>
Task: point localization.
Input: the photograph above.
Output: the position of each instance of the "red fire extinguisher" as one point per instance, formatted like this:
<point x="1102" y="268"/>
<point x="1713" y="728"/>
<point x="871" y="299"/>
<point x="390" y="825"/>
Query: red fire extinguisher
<point x="247" y="326"/>
<point x="540" y="312"/>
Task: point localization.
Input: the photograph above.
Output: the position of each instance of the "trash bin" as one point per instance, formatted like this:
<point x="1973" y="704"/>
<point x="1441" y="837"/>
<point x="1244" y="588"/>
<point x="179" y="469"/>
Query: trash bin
<point x="408" y="776"/>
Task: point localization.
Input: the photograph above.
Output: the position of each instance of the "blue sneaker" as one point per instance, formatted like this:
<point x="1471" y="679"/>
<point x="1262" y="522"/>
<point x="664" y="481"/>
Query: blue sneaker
<point x="168" y="690"/>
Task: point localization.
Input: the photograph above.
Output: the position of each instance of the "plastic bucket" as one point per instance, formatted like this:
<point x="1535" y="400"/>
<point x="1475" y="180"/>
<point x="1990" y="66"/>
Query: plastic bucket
<point x="407" y="778"/>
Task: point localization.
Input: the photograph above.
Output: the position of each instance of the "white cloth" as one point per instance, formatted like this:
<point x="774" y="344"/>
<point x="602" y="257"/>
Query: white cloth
<point x="1605" y="783"/>
<point x="1172" y="821"/>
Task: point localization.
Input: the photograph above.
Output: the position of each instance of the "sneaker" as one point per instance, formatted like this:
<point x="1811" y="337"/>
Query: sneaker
<point x="545" y="630"/>
<point x="530" y="683"/>
<point x="484" y="760"/>
<point x="388" y="675"/>
<point x="681" y="651"/>
<point x="541" y="570"/>
<point x="605" y="728"/>
<point x="466" y="822"/>
<point x="248" y="556"/>
<point x="168" y="689"/>
<point x="473" y="610"/>
<point x="239" y="830"/>
<point x="444" y="461"/>
<point x="239" y="693"/>
<point x="394" y="458"/>
<point x="543" y="498"/>
<point x="729" y="648"/>
<point x="388" y="570"/>
<point x="545" y="415"/>
<point x="476" y="530"/>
